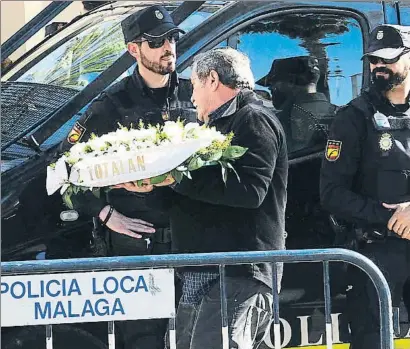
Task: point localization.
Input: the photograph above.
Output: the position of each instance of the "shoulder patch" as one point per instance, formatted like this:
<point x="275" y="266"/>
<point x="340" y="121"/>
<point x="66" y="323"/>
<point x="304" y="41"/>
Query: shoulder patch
<point x="333" y="149"/>
<point x="76" y="133"/>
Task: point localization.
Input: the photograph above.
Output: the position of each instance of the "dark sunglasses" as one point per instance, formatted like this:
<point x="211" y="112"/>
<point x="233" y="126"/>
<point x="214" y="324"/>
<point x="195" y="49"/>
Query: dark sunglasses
<point x="157" y="43"/>
<point x="376" y="60"/>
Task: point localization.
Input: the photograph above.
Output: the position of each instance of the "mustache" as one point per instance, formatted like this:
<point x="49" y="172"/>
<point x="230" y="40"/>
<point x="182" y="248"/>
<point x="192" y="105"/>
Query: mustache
<point x="382" y="70"/>
<point x="167" y="54"/>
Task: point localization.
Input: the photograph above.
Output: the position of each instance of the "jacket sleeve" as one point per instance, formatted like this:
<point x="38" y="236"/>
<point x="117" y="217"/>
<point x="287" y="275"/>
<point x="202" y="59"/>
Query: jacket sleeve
<point x="255" y="168"/>
<point x="338" y="174"/>
<point x="101" y="117"/>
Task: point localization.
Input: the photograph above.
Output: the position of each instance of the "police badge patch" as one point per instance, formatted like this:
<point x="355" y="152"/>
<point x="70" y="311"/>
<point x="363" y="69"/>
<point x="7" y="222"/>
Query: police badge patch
<point x="76" y="133"/>
<point x="333" y="149"/>
<point x="386" y="141"/>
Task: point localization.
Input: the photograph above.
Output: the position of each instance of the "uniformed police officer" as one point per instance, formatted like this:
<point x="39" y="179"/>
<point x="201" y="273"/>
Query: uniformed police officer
<point x="152" y="94"/>
<point x="304" y="112"/>
<point x="365" y="177"/>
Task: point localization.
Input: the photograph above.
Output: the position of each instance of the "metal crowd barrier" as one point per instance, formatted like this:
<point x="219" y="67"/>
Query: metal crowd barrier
<point x="222" y="259"/>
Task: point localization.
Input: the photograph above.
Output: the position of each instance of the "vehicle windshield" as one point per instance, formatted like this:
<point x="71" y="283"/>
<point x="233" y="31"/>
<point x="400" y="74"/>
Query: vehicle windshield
<point x="81" y="59"/>
<point x="71" y="66"/>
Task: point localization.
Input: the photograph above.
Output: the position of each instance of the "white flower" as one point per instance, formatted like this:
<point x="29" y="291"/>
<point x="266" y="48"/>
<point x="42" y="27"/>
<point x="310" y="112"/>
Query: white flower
<point x="122" y="135"/>
<point x="174" y="131"/>
<point x="192" y="125"/>
<point x="212" y="134"/>
<point x="97" y="144"/>
<point x="77" y="149"/>
<point x="192" y="130"/>
<point x="144" y="134"/>
<point x="109" y="138"/>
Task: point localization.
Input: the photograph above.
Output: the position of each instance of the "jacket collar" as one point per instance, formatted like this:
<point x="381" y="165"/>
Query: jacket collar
<point x="316" y="96"/>
<point x="245" y="96"/>
<point x="381" y="102"/>
<point x="139" y="83"/>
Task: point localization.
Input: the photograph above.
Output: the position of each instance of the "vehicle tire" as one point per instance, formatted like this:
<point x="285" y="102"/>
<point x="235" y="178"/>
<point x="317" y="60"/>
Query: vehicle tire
<point x="64" y="337"/>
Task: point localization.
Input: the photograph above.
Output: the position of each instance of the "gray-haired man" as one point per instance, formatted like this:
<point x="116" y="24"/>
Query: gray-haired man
<point x="247" y="215"/>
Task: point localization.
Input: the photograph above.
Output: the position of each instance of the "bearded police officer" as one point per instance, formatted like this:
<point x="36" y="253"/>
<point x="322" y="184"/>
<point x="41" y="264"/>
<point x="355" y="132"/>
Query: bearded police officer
<point x="151" y="94"/>
<point x="365" y="177"/>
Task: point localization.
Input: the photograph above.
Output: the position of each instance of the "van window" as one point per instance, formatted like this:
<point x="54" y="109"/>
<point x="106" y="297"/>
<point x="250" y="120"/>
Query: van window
<point x="81" y="59"/>
<point x="335" y="41"/>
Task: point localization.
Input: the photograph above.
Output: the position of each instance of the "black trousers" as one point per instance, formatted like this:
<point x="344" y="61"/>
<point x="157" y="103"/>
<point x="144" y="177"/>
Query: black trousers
<point x="392" y="256"/>
<point x="139" y="334"/>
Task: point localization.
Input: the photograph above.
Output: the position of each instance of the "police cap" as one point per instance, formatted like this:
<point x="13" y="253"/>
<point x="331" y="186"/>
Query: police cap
<point x="150" y="22"/>
<point x="301" y="70"/>
<point x="388" y="41"/>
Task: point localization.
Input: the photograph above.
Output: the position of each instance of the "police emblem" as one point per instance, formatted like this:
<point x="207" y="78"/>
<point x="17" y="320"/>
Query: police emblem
<point x="333" y="149"/>
<point x="76" y="133"/>
<point x="385" y="142"/>
<point x="158" y="14"/>
<point x="379" y="35"/>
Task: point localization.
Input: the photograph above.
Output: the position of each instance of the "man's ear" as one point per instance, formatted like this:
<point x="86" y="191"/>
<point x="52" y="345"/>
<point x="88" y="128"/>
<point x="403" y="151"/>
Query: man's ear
<point x="214" y="80"/>
<point x="134" y="50"/>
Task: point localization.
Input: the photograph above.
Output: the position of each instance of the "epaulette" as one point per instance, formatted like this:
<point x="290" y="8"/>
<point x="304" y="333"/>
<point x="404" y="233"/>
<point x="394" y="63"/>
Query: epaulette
<point x="118" y="94"/>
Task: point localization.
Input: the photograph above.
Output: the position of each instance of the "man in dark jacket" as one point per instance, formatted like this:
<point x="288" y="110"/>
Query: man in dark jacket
<point x="365" y="177"/>
<point x="151" y="94"/>
<point x="247" y="215"/>
<point x="304" y="112"/>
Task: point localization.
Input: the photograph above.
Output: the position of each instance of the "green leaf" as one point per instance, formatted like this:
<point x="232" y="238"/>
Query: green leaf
<point x="177" y="175"/>
<point x="224" y="173"/>
<point x="158" y="179"/>
<point x="195" y="163"/>
<point x="214" y="156"/>
<point x="229" y="165"/>
<point x="96" y="192"/>
<point x="210" y="163"/>
<point x="188" y="174"/>
<point x="234" y="152"/>
<point x="140" y="182"/>
<point x="67" y="198"/>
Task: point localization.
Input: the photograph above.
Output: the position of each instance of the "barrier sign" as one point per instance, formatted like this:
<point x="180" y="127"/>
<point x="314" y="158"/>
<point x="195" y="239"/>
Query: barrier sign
<point x="87" y="297"/>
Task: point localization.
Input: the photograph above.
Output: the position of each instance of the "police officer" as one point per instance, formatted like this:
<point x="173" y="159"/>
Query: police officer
<point x="153" y="95"/>
<point x="304" y="112"/>
<point x="365" y="177"/>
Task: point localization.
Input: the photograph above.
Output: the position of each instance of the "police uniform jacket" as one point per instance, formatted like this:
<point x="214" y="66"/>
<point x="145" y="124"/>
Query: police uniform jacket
<point x="367" y="160"/>
<point x="305" y="119"/>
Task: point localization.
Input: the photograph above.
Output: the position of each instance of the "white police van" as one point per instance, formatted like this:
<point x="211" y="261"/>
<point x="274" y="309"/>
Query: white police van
<point x="46" y="90"/>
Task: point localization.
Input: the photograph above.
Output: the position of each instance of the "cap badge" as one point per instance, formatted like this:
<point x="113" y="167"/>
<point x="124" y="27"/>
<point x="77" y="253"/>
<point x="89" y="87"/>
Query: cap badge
<point x="158" y="14"/>
<point x="386" y="142"/>
<point x="379" y="35"/>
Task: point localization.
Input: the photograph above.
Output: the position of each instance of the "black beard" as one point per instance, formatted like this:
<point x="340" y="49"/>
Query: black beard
<point x="382" y="84"/>
<point x="156" y="67"/>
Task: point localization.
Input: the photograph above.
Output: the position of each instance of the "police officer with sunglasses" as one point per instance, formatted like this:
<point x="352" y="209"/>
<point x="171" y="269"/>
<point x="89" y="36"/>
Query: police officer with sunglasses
<point x="365" y="178"/>
<point x="154" y="95"/>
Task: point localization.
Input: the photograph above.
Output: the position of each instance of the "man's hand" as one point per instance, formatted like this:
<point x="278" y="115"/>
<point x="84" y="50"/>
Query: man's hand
<point x="146" y="187"/>
<point x="125" y="225"/>
<point x="400" y="221"/>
